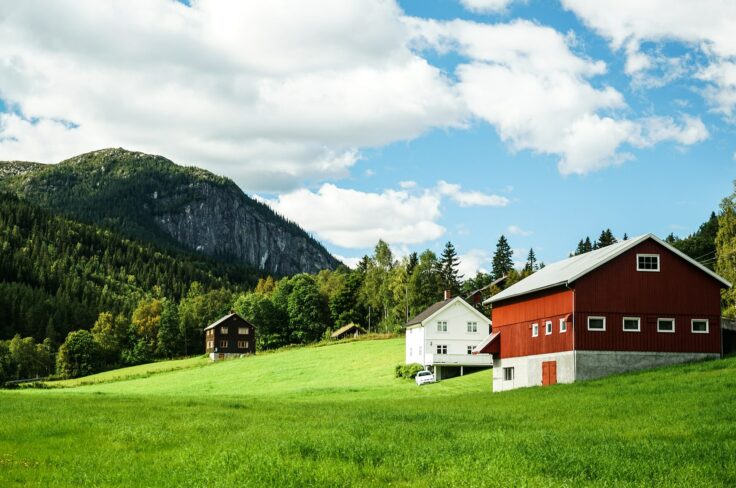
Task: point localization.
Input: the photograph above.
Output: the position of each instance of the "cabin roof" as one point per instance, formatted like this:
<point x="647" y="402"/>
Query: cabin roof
<point x="568" y="270"/>
<point x="346" y="328"/>
<point x="226" y="318"/>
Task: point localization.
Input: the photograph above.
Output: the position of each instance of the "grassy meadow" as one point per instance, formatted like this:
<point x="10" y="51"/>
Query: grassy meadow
<point x="336" y="416"/>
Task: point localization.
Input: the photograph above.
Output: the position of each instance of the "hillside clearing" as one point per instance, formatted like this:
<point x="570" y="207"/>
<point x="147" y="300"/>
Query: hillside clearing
<point x="336" y="416"/>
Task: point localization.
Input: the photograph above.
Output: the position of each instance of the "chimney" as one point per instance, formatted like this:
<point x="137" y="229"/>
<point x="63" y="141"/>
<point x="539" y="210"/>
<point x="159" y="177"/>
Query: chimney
<point x="448" y="294"/>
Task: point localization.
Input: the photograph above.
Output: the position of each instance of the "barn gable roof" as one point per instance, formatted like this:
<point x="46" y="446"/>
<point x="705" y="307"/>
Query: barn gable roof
<point x="568" y="270"/>
<point x="225" y="319"/>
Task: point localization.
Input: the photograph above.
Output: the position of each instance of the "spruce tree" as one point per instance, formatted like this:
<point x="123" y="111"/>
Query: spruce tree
<point x="449" y="264"/>
<point x="502" y="262"/>
<point x="531" y="262"/>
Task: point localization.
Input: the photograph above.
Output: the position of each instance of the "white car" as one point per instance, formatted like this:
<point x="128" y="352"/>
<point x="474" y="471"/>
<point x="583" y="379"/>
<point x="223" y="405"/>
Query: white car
<point x="424" y="377"/>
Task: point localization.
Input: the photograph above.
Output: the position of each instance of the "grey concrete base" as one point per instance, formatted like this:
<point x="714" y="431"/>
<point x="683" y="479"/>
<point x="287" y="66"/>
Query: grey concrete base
<point x="596" y="364"/>
<point x="528" y="370"/>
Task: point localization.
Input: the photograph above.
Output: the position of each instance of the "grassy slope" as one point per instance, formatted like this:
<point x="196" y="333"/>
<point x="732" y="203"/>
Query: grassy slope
<point x="335" y="416"/>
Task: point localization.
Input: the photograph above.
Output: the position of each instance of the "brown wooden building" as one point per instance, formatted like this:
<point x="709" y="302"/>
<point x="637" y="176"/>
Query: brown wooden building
<point x="632" y="305"/>
<point x="231" y="336"/>
<point x="348" y="331"/>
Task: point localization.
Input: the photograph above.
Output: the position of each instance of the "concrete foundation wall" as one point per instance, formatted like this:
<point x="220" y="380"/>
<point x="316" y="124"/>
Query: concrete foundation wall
<point x="215" y="356"/>
<point x="528" y="370"/>
<point x="596" y="364"/>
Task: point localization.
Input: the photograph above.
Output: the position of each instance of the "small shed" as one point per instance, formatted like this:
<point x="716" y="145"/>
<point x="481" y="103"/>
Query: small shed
<point x="348" y="331"/>
<point x="229" y="337"/>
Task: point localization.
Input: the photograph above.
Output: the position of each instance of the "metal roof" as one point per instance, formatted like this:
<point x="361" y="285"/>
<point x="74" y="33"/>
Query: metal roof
<point x="226" y="317"/>
<point x="568" y="270"/>
<point x="428" y="312"/>
<point x="346" y="328"/>
<point x="490" y="338"/>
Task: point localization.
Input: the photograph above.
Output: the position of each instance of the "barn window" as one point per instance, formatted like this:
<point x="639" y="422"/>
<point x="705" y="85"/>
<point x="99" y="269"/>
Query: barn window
<point x="441" y="348"/>
<point x="596" y="323"/>
<point x="665" y="325"/>
<point x="647" y="262"/>
<point x="563" y="325"/>
<point x="508" y="374"/>
<point x="535" y="330"/>
<point x="699" y="326"/>
<point x="548" y="327"/>
<point x="632" y="324"/>
<point x="223" y="330"/>
<point x="442" y="326"/>
<point x="223" y="344"/>
<point x="243" y="330"/>
<point x="472" y="326"/>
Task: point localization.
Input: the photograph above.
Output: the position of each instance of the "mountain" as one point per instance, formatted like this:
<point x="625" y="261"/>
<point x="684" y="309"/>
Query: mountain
<point x="149" y="197"/>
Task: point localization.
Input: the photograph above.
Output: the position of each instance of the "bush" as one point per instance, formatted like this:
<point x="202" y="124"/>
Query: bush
<point x="408" y="371"/>
<point x="78" y="355"/>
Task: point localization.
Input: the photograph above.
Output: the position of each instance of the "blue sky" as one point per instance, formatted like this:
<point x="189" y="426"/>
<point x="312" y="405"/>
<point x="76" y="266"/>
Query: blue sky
<point x="418" y="122"/>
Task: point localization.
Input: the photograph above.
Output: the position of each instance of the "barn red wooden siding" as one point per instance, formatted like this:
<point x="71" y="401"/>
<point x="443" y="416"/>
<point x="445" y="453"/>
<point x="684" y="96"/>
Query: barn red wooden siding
<point x="514" y="319"/>
<point x="679" y="290"/>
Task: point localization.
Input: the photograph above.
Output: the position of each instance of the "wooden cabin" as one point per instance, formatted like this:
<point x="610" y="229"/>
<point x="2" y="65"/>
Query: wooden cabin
<point x="230" y="337"/>
<point x="347" y="331"/>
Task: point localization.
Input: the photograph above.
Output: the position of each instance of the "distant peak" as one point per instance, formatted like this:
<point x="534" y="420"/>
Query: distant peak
<point x="119" y="153"/>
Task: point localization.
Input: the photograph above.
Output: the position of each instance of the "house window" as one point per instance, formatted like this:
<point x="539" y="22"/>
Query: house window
<point x="632" y="324"/>
<point x="665" y="325"/>
<point x="223" y="330"/>
<point x="243" y="330"/>
<point x="508" y="374"/>
<point x="470" y="349"/>
<point x="597" y="323"/>
<point x="411" y="352"/>
<point x="699" y="326"/>
<point x="535" y="330"/>
<point x="441" y="348"/>
<point x="420" y="350"/>
<point x="242" y="344"/>
<point x="210" y="344"/>
<point x="442" y="326"/>
<point x="563" y="325"/>
<point x="647" y="262"/>
<point x="548" y="327"/>
<point x="472" y="326"/>
<point x="223" y="344"/>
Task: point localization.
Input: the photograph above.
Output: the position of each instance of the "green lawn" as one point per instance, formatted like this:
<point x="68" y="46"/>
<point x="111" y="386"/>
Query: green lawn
<point x="335" y="416"/>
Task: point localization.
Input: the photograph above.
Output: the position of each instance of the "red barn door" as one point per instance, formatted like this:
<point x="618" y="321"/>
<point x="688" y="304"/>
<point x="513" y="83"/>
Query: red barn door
<point x="549" y="373"/>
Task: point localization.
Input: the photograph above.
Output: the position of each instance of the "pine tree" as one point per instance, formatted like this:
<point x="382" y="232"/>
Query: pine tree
<point x="626" y="236"/>
<point x="449" y="264"/>
<point x="531" y="262"/>
<point x="502" y="262"/>
<point x="605" y="239"/>
<point x="587" y="246"/>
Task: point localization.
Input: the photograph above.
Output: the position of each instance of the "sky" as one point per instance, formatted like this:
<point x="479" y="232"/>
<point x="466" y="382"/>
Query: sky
<point x="413" y="121"/>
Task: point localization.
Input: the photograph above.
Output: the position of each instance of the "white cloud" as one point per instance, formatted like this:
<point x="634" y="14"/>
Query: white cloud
<point x="350" y="262"/>
<point x="706" y="25"/>
<point x="473" y="261"/>
<point x="515" y="230"/>
<point x="218" y="84"/>
<point x="407" y="184"/>
<point x="525" y="80"/>
<point x="468" y="198"/>
<point x="355" y="219"/>
<point x="486" y="6"/>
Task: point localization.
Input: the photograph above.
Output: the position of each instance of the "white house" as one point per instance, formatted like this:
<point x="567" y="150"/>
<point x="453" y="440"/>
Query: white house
<point x="443" y="336"/>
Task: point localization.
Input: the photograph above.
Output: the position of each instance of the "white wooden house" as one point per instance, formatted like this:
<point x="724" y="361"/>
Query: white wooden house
<point x="442" y="338"/>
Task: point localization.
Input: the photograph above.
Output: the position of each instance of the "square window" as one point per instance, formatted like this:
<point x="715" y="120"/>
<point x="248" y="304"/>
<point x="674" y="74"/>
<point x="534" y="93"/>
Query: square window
<point x="223" y="330"/>
<point x="647" y="262"/>
<point x="632" y="324"/>
<point x="699" y="326"/>
<point x="441" y="348"/>
<point x="508" y="374"/>
<point x="597" y="323"/>
<point x="548" y="327"/>
<point x="535" y="330"/>
<point x="470" y="349"/>
<point x="472" y="326"/>
<point x="665" y="325"/>
<point x="243" y="330"/>
<point x="563" y="325"/>
<point x="442" y="326"/>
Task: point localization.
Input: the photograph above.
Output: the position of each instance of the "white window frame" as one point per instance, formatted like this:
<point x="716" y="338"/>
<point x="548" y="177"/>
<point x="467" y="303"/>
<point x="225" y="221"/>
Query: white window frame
<point x="470" y="349"/>
<point x="508" y="374"/>
<point x="420" y="351"/>
<point x="596" y="317"/>
<point x="548" y="327"/>
<point x="535" y="330"/>
<point x="441" y="349"/>
<point x="648" y="256"/>
<point x="442" y="326"/>
<point x="411" y="353"/>
<point x="674" y="325"/>
<point x="472" y="327"/>
<point x="563" y="326"/>
<point x="638" y="324"/>
<point x="692" y="326"/>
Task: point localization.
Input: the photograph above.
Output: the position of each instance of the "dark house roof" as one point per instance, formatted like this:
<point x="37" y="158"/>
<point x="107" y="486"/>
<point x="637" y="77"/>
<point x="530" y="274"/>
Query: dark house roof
<point x="427" y="312"/>
<point x="346" y="328"/>
<point x="225" y="319"/>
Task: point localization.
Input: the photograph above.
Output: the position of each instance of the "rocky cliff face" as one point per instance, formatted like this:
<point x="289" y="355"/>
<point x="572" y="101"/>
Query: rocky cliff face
<point x="151" y="198"/>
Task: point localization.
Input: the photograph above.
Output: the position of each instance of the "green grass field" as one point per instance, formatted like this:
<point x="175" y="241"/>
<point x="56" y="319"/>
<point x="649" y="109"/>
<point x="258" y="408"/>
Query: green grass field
<point x="335" y="416"/>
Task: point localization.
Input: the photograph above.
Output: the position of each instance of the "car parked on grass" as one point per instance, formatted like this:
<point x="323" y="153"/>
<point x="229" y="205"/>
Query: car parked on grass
<point x="424" y="377"/>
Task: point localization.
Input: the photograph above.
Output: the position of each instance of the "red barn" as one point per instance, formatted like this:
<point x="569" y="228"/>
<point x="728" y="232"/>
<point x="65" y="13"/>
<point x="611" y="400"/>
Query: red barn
<point x="633" y="305"/>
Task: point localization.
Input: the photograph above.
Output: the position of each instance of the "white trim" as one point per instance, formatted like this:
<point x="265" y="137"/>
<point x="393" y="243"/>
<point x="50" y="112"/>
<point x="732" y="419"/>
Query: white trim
<point x="444" y="324"/>
<point x="674" y="325"/>
<point x="563" y="325"/>
<point x="548" y="330"/>
<point x="596" y="317"/>
<point x="638" y="324"/>
<point x="643" y="255"/>
<point x="707" y="326"/>
<point x="535" y="330"/>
